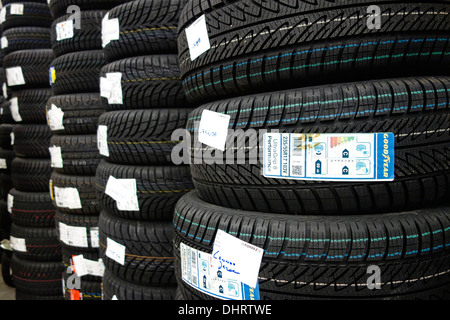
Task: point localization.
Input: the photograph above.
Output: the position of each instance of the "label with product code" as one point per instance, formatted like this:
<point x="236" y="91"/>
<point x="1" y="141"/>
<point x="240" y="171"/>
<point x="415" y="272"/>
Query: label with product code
<point x="64" y="30"/>
<point x="197" y="38"/>
<point x="2" y="15"/>
<point x="207" y="274"/>
<point x="329" y="157"/>
<point x="16" y="8"/>
<point x="102" y="140"/>
<point x="67" y="198"/>
<point x="213" y="129"/>
<point x="124" y="191"/>
<point x="94" y="237"/>
<point x="85" y="266"/>
<point x="18" y="244"/>
<point x="55" y="118"/>
<point x="111" y="87"/>
<point x="73" y="236"/>
<point x="14" y="76"/>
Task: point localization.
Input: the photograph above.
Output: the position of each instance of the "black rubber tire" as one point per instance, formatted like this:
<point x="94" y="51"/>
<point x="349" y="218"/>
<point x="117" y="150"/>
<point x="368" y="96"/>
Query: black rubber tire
<point x="58" y="8"/>
<point x="86" y="189"/>
<point x="79" y="154"/>
<point x="42" y="243"/>
<point x="158" y="189"/>
<point x="77" y="72"/>
<point x="73" y="220"/>
<point x="142" y="137"/>
<point x="26" y="38"/>
<point x="88" y="37"/>
<point x="7" y="156"/>
<point x="5" y="221"/>
<point x="5" y="135"/>
<point x="81" y="112"/>
<point x="326" y="257"/>
<point x="280" y="45"/>
<point x="32" y="209"/>
<point x="148" y="250"/>
<point x="35" y="65"/>
<point x="6" y="268"/>
<point x="35" y="14"/>
<point x="5" y="185"/>
<point x="114" y="287"/>
<point x="416" y="110"/>
<point x="6" y="117"/>
<point x="37" y="278"/>
<point x="32" y="140"/>
<point x="146" y="27"/>
<point x="31" y="175"/>
<point x="147" y="82"/>
<point x="89" y="290"/>
<point x="31" y="104"/>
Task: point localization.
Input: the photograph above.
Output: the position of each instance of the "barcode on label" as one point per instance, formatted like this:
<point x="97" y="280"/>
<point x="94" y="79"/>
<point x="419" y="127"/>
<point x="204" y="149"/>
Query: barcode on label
<point x="297" y="170"/>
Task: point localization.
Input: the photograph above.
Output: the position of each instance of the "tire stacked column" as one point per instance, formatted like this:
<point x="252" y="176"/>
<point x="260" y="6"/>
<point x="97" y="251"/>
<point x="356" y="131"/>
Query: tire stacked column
<point x="313" y="69"/>
<point x="72" y="115"/>
<point x="35" y="265"/>
<point x="137" y="183"/>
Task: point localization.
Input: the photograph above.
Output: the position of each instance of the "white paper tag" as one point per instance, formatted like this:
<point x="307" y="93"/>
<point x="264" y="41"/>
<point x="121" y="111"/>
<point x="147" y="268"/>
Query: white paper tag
<point x="237" y="256"/>
<point x="102" y="140"/>
<point x="5" y="90"/>
<point x="55" y="118"/>
<point x="124" y="191"/>
<point x="197" y="38"/>
<point x="88" y="267"/>
<point x="213" y="129"/>
<point x="67" y="198"/>
<point x="3" y="164"/>
<point x="4" y="42"/>
<point x="10" y="202"/>
<point x="12" y="138"/>
<point x="14" y="76"/>
<point x="64" y="30"/>
<point x="18" y="244"/>
<point x="14" y="107"/>
<point x="110" y="30"/>
<point x="111" y="88"/>
<point x="16" y="8"/>
<point x="56" y="157"/>
<point x="115" y="251"/>
<point x="94" y="237"/>
<point x="73" y="236"/>
<point x="114" y="298"/>
<point x="3" y="15"/>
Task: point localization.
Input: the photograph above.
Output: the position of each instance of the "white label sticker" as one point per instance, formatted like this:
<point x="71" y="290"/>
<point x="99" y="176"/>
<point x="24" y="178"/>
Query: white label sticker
<point x="14" y="107"/>
<point x="17" y="9"/>
<point x="3" y="15"/>
<point x="12" y="138"/>
<point x="5" y="90"/>
<point x="14" y="76"/>
<point x="197" y="38"/>
<point x="10" y="202"/>
<point x="64" y="30"/>
<point x="110" y="30"/>
<point x="94" y="237"/>
<point x="213" y="129"/>
<point x="111" y="87"/>
<point x="329" y="157"/>
<point x="88" y="267"/>
<point x="207" y="274"/>
<point x="73" y="236"/>
<point x="124" y="191"/>
<point x="56" y="157"/>
<point x="114" y="298"/>
<point x="102" y="140"/>
<point x="115" y="251"/>
<point x="4" y="42"/>
<point x="55" y="118"/>
<point x="67" y="198"/>
<point x="18" y="244"/>
<point x="3" y="164"/>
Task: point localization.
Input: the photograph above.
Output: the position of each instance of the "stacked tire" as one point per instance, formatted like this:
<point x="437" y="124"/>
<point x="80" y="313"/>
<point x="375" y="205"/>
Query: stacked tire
<point x="137" y="183"/>
<point x="35" y="264"/>
<point x="72" y="115"/>
<point x="317" y="68"/>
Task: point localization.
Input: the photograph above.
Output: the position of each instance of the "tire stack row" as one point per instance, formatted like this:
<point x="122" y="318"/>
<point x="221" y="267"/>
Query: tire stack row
<point x="72" y="115"/>
<point x="35" y="264"/>
<point x="137" y="183"/>
<point x="313" y="68"/>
